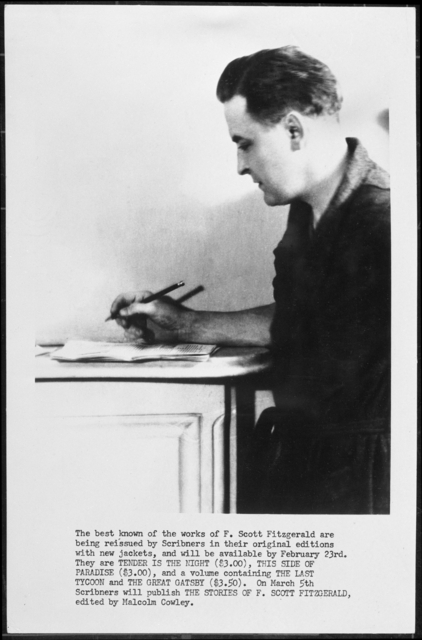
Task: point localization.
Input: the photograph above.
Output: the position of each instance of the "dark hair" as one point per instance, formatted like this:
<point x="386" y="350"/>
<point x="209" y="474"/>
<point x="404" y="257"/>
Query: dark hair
<point x="273" y="81"/>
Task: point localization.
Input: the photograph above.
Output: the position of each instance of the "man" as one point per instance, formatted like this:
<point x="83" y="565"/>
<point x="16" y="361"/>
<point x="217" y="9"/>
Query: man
<point x="324" y="448"/>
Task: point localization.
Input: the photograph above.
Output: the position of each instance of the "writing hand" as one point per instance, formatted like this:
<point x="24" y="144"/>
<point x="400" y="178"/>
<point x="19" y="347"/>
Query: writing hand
<point x="131" y="313"/>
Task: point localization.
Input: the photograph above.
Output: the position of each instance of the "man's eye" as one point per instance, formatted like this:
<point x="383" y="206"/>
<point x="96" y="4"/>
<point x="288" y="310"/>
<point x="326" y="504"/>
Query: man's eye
<point x="244" y="146"/>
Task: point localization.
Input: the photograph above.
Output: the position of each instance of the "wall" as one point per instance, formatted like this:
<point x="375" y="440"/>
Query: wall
<point x="120" y="171"/>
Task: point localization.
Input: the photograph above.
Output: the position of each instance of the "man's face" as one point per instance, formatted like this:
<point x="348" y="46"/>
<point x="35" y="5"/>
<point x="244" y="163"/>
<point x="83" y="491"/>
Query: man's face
<point x="265" y="152"/>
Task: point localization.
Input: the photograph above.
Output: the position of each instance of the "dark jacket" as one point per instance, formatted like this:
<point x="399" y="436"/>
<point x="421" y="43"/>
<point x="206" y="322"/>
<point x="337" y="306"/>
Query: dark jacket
<point x="333" y="304"/>
<point x="325" y="447"/>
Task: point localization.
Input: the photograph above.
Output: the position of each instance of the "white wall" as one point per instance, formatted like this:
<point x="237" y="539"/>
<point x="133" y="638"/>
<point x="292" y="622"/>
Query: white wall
<point x="120" y="172"/>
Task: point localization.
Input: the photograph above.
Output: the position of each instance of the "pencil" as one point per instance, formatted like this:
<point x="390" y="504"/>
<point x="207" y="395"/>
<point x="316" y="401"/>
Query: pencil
<point x="152" y="297"/>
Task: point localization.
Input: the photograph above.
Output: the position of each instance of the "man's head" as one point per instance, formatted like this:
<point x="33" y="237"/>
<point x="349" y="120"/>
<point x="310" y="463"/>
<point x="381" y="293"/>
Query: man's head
<point x="275" y="81"/>
<point x="280" y="106"/>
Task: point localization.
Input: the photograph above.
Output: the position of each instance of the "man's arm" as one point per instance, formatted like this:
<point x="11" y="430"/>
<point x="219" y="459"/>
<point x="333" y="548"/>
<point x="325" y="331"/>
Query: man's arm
<point x="251" y="327"/>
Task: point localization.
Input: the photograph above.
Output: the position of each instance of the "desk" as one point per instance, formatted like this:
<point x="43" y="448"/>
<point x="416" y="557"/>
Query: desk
<point x="146" y="437"/>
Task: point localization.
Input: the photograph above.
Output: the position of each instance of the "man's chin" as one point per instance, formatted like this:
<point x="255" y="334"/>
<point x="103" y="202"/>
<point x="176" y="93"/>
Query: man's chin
<point x="270" y="200"/>
<point x="273" y="200"/>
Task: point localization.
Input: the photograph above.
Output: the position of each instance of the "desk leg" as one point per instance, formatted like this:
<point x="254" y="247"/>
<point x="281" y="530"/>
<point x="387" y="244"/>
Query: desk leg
<point x="233" y="451"/>
<point x="218" y="437"/>
<point x="247" y="401"/>
<point x="225" y="456"/>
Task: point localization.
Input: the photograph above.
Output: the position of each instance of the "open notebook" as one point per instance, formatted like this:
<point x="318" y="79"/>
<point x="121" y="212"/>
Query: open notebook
<point x="89" y="351"/>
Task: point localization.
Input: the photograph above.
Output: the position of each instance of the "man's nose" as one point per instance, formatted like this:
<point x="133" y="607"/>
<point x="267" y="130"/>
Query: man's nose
<point x="242" y="166"/>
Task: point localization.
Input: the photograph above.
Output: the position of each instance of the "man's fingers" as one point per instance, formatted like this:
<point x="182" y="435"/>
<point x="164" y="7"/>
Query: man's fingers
<point x="123" y="322"/>
<point x="137" y="308"/>
<point x="123" y="300"/>
<point x="134" y="333"/>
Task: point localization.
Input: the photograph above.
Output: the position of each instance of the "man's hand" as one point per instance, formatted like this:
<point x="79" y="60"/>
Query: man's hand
<point x="131" y="314"/>
<point x="251" y="327"/>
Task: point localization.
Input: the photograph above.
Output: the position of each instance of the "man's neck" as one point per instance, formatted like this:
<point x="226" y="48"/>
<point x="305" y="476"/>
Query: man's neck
<point x="326" y="176"/>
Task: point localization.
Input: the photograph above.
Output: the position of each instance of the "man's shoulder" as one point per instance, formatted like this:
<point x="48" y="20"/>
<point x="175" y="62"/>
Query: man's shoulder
<point x="367" y="228"/>
<point x="377" y="177"/>
<point x="371" y="199"/>
<point x="367" y="219"/>
<point x="370" y="202"/>
<point x="364" y="194"/>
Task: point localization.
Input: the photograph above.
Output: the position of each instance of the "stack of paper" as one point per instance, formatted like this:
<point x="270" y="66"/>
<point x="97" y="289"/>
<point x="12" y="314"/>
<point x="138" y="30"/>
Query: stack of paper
<point x="88" y="351"/>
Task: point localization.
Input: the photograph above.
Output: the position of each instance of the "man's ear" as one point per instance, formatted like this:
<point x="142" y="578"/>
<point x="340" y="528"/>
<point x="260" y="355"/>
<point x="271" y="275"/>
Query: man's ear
<point x="294" y="126"/>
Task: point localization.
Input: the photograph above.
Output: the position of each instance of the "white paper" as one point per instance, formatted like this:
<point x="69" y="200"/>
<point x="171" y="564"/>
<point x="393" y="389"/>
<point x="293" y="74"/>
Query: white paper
<point x="131" y="351"/>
